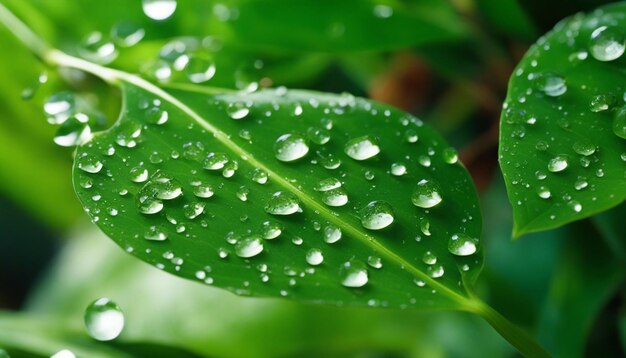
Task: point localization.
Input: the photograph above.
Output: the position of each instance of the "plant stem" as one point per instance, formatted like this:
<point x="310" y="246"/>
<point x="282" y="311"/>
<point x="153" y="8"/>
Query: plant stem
<point x="518" y="338"/>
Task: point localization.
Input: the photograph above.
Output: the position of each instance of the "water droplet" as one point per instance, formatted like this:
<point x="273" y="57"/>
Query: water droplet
<point x="332" y="234"/>
<point x="271" y="230"/>
<point x="410" y="135"/>
<point x="75" y="130"/>
<point x="89" y="163"/>
<point x="104" y="319"/>
<point x="335" y="197"/>
<point x="97" y="48"/>
<point x="282" y="203"/>
<point x="435" y="271"/>
<point x="543" y="192"/>
<point x="375" y="262"/>
<point x="314" y="257"/>
<point x="574" y="205"/>
<point x="328" y="184"/>
<point x="362" y="148"/>
<point x="318" y="136"/>
<point x="215" y="161"/>
<point x="193" y="210"/>
<point x="64" y="353"/>
<point x="619" y="123"/>
<point x="398" y="169"/>
<point x="155" y="233"/>
<point x="462" y="245"/>
<point x="158" y="9"/>
<point x="450" y="156"/>
<point x="290" y="147"/>
<point x="242" y="193"/>
<point x="128" y="134"/>
<point x="249" y="247"/>
<point x="550" y="84"/>
<point x="602" y="102"/>
<point x="199" y="70"/>
<point x="376" y="215"/>
<point x="426" y="194"/>
<point x="607" y="43"/>
<point x="138" y="174"/>
<point x="127" y="34"/>
<point x="584" y="147"/>
<point x="331" y="162"/>
<point x="59" y="106"/>
<point x="163" y="187"/>
<point x="353" y="273"/>
<point x="429" y="258"/>
<point x="156" y="115"/>
<point x="369" y="175"/>
<point x="558" y="163"/>
<point x="259" y="175"/>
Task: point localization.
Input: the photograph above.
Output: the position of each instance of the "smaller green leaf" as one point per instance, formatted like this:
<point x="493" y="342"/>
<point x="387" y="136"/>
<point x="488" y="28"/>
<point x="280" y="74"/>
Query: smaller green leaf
<point x="562" y="146"/>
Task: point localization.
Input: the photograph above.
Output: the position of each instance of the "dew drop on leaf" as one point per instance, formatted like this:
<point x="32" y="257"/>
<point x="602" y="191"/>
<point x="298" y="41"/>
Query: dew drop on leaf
<point x="318" y="136"/>
<point x="215" y="161"/>
<point x="327" y="184"/>
<point x="353" y="273"/>
<point x="426" y="194"/>
<point x="155" y="233"/>
<point x="127" y="34"/>
<point x="335" y="197"/>
<point x="271" y="230"/>
<point x="89" y="163"/>
<point x="259" y="175"/>
<point x="376" y="215"/>
<point x="75" y="130"/>
<point x="362" y="148"/>
<point x="97" y="48"/>
<point x="104" y="319"/>
<point x="462" y="245"/>
<point x="332" y="234"/>
<point x="282" y="203"/>
<point x="314" y="257"/>
<point x="63" y="353"/>
<point x="199" y="70"/>
<point x="607" y="43"/>
<point x="59" y="106"/>
<point x="558" y="163"/>
<point x="398" y="169"/>
<point x="249" y="247"/>
<point x="375" y="262"/>
<point x="290" y="147"/>
<point x="237" y="110"/>
<point x="429" y="258"/>
<point x="550" y="84"/>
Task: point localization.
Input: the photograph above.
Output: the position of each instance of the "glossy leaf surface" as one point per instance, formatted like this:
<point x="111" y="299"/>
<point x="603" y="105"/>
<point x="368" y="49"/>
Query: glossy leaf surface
<point x="562" y="139"/>
<point x="319" y="198"/>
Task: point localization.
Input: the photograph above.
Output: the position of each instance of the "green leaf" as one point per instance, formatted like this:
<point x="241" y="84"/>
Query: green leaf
<point x="224" y="171"/>
<point x="562" y="148"/>
<point x="327" y="25"/>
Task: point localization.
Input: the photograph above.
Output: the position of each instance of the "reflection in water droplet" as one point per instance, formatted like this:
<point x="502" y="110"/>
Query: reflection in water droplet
<point x="282" y="203"/>
<point x="290" y="147"/>
<point x="158" y="9"/>
<point x="462" y="245"/>
<point x="193" y="210"/>
<point x="353" y="273"/>
<point x="376" y="215"/>
<point x="335" y="197"/>
<point x="602" y="102"/>
<point x="426" y="194"/>
<point x="607" y="43"/>
<point x="104" y="319"/>
<point x="332" y="234"/>
<point x="271" y="230"/>
<point x="242" y="193"/>
<point x="362" y="148"/>
<point x="249" y="247"/>
<point x="410" y="135"/>
<point x="314" y="257"/>
<point x="558" y="163"/>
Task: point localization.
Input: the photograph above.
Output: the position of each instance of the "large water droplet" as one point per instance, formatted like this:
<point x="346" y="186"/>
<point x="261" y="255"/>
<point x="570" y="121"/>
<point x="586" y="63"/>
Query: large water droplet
<point x="607" y="43"/>
<point x="584" y="147"/>
<point x="215" y="161"/>
<point x="328" y="184"/>
<point x="335" y="197"/>
<point x="429" y="258"/>
<point x="138" y="174"/>
<point x="158" y="9"/>
<point x="104" y="319"/>
<point x="63" y="353"/>
<point x="550" y="84"/>
<point x="282" y="203"/>
<point x="271" y="230"/>
<point x="375" y="262"/>
<point x="290" y="147"/>
<point x="426" y="194"/>
<point x="199" y="70"/>
<point x="353" y="273"/>
<point x="332" y="234"/>
<point x="314" y="257"/>
<point x="558" y="163"/>
<point x="362" y="148"/>
<point x="602" y="102"/>
<point x="249" y="247"/>
<point x="376" y="215"/>
<point x="259" y="175"/>
<point x="462" y="245"/>
<point x="89" y="163"/>
<point x="193" y="210"/>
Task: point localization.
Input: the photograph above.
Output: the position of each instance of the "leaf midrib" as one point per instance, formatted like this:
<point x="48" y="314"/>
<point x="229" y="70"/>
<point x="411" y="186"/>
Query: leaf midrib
<point x="118" y="78"/>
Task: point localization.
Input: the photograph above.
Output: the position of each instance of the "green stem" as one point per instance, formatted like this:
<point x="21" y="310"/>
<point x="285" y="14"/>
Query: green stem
<point x="518" y="338"/>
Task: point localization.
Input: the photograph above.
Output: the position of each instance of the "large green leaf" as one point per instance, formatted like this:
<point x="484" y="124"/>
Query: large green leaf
<point x="562" y="147"/>
<point x="140" y="166"/>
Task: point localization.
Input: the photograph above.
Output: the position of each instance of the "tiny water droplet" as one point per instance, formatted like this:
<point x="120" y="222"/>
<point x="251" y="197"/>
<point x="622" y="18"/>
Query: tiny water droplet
<point x="543" y="192"/>
<point x="429" y="258"/>
<point x="193" y="210"/>
<point x="138" y="174"/>
<point x="619" y="122"/>
<point x="602" y="102"/>
<point x="436" y="271"/>
<point x="104" y="319"/>
<point x="242" y="193"/>
<point x="584" y="147"/>
<point x="59" y="106"/>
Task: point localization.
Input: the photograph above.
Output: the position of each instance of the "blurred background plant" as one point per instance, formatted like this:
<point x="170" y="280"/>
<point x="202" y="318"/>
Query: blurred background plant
<point x="446" y="62"/>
